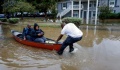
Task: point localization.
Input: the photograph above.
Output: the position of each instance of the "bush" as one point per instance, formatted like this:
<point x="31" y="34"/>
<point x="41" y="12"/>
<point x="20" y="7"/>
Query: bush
<point x="76" y="21"/>
<point x="3" y="19"/>
<point x="14" y="20"/>
<point x="118" y="15"/>
<point x="112" y="16"/>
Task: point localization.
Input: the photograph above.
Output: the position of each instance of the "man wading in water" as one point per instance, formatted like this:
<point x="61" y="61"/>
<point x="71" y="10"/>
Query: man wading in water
<point x="74" y="34"/>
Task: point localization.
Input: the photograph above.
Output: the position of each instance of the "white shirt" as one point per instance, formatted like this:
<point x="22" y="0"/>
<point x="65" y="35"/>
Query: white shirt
<point x="71" y="30"/>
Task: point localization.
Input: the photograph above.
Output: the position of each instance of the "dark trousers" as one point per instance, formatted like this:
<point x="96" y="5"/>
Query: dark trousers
<point x="41" y="39"/>
<point x="68" y="42"/>
<point x="28" y="37"/>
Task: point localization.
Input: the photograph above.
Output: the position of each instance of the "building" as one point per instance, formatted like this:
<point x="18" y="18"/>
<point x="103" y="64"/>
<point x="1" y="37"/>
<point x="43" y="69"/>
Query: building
<point x="85" y="9"/>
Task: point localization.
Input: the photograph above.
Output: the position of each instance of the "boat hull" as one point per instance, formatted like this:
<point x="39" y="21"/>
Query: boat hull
<point x="49" y="46"/>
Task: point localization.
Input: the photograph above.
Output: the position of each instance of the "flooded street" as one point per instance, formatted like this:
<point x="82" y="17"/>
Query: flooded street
<point x="98" y="50"/>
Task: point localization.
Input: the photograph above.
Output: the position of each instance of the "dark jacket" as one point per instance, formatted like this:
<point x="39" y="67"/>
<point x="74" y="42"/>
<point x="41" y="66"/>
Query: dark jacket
<point x="36" y="32"/>
<point x="27" y="31"/>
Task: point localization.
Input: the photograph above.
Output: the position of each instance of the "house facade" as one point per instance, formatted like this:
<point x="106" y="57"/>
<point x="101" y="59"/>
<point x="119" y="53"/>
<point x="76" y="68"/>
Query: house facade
<point x="85" y="9"/>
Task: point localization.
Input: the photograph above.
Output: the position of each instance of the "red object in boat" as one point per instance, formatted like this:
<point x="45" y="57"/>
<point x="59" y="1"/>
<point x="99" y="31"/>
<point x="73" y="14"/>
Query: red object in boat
<point x="49" y="46"/>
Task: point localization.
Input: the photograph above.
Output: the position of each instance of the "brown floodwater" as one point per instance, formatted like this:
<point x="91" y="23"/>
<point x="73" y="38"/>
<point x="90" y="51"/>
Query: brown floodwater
<point x="98" y="50"/>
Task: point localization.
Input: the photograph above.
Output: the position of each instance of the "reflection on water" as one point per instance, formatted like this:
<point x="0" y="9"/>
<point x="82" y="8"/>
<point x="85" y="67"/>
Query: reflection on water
<point x="98" y="50"/>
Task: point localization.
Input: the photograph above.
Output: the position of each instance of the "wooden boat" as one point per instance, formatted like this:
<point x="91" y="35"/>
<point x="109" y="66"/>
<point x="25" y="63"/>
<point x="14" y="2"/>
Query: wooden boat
<point x="50" y="45"/>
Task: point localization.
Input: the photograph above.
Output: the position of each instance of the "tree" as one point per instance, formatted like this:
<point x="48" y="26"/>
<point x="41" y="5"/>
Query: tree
<point x="44" y="5"/>
<point x="24" y="7"/>
<point x="1" y="9"/>
<point x="54" y="12"/>
<point x="104" y="12"/>
<point x="12" y="6"/>
<point x="17" y="6"/>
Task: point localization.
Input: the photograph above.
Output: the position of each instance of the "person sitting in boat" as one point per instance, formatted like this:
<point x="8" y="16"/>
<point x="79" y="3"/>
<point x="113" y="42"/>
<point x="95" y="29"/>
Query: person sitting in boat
<point x="38" y="34"/>
<point x="27" y="32"/>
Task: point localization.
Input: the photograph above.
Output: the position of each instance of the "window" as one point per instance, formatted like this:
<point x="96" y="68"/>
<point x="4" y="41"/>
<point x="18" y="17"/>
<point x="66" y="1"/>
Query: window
<point x="75" y="15"/>
<point x="64" y="5"/>
<point x="93" y="13"/>
<point x="111" y="3"/>
<point x="98" y="4"/>
<point x="90" y="5"/>
<point x="94" y="4"/>
<point x="76" y="3"/>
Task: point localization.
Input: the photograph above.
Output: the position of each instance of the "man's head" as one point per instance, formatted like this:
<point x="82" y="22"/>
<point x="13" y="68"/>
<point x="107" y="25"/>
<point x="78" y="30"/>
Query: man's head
<point x="63" y="24"/>
<point x="36" y="26"/>
<point x="29" y="26"/>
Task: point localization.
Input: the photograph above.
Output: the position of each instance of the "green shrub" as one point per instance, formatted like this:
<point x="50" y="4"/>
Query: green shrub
<point x="3" y="19"/>
<point x="13" y="20"/>
<point x="76" y="21"/>
<point x="112" y="16"/>
<point x="118" y="15"/>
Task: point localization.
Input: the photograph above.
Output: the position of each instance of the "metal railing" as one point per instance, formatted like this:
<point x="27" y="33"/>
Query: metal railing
<point x="68" y="9"/>
<point x="77" y="7"/>
<point x="64" y="12"/>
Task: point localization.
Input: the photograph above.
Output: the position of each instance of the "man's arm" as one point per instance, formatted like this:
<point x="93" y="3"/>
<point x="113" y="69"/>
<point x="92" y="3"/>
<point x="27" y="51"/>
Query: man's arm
<point x="24" y="34"/>
<point x="59" y="38"/>
<point x="41" y="33"/>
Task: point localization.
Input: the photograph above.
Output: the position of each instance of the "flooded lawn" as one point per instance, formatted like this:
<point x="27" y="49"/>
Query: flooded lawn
<point x="98" y="50"/>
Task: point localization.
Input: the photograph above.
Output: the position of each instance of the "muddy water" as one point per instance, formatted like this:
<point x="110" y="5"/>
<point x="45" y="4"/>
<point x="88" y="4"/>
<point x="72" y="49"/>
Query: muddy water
<point x="98" y="50"/>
